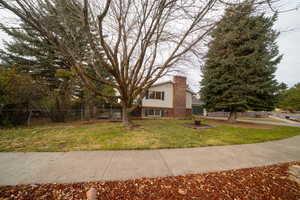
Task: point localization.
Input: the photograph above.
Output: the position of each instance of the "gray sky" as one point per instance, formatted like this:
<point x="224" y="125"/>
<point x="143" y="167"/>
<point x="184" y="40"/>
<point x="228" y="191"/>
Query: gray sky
<point x="289" y="45"/>
<point x="288" y="24"/>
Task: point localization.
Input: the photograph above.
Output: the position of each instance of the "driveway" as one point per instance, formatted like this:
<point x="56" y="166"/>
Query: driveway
<point x="66" y="167"/>
<point x="283" y="123"/>
<point x="272" y="123"/>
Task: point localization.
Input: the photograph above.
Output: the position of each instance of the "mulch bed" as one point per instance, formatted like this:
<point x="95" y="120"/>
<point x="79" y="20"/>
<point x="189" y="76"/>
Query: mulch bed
<point x="198" y="127"/>
<point x="260" y="183"/>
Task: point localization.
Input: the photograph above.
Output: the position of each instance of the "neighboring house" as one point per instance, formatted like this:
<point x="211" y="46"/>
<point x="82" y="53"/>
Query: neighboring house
<point x="168" y="99"/>
<point x="197" y="106"/>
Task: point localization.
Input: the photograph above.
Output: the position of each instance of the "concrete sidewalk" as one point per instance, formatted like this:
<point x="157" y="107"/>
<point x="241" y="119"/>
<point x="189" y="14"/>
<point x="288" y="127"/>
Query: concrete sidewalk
<point x="60" y="167"/>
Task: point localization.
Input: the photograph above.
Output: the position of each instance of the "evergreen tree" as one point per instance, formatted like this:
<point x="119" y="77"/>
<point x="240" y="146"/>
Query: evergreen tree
<point x="290" y="99"/>
<point x="32" y="53"/>
<point x="19" y="94"/>
<point x="239" y="71"/>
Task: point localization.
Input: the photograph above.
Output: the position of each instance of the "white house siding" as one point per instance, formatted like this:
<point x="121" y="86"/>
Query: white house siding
<point x="166" y="103"/>
<point x="188" y="100"/>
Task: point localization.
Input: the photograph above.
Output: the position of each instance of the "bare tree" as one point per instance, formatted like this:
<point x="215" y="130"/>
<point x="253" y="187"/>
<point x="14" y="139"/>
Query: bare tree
<point x="147" y="39"/>
<point x="136" y="42"/>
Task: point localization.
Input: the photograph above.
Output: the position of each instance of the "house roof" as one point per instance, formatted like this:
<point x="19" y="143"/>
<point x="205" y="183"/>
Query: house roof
<point x="190" y="91"/>
<point x="171" y="82"/>
<point x="162" y="83"/>
<point x="196" y="101"/>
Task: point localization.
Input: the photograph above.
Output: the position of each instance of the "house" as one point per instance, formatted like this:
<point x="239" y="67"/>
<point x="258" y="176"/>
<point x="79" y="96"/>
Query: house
<point x="168" y="99"/>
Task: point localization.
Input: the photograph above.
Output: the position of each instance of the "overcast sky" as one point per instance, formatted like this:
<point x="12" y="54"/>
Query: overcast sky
<point x="289" y="45"/>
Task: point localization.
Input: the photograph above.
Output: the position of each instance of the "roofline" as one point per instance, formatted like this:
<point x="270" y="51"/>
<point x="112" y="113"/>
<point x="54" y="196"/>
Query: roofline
<point x="171" y="82"/>
<point x="162" y="83"/>
<point x="190" y="91"/>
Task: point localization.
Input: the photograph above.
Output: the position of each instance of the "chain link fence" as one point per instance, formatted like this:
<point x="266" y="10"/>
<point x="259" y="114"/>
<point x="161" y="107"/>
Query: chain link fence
<point x="40" y="116"/>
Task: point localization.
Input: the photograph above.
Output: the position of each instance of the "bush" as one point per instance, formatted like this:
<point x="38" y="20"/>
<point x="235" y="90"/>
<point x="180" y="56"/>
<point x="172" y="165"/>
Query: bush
<point x="13" y="115"/>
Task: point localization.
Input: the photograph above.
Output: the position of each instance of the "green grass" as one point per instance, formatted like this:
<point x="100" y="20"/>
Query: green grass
<point x="150" y="134"/>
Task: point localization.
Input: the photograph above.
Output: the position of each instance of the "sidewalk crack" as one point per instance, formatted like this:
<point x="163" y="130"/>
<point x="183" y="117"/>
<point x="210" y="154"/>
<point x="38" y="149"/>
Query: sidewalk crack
<point x="165" y="163"/>
<point x="108" y="165"/>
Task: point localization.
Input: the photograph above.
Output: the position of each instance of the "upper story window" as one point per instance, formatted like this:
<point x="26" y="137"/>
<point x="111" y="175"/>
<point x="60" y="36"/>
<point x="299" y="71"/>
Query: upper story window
<point x="155" y="95"/>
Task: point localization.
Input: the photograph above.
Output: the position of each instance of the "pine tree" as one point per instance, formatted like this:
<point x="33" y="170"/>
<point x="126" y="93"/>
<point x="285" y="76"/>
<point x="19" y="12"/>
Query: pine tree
<point x="31" y="53"/>
<point x="239" y="71"/>
<point x="290" y="99"/>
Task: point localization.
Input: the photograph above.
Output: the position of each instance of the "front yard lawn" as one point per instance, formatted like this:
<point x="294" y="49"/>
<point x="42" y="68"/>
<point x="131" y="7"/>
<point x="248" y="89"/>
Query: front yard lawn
<point x="148" y="134"/>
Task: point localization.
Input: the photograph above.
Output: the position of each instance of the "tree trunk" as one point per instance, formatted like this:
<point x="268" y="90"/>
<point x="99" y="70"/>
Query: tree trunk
<point x="87" y="111"/>
<point x="232" y="116"/>
<point x="125" y="116"/>
<point x="59" y="112"/>
<point x="29" y="118"/>
<point x="92" y="110"/>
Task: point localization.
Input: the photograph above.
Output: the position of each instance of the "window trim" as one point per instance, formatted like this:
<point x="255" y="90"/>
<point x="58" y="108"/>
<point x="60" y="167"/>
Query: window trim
<point x="154" y="111"/>
<point x="155" y="95"/>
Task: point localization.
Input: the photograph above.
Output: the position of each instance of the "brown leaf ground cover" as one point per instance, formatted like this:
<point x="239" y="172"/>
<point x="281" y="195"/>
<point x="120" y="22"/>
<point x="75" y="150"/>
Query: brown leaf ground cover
<point x="260" y="183"/>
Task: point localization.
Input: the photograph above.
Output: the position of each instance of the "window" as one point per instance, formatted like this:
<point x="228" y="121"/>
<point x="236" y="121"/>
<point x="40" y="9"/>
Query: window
<point x="154" y="113"/>
<point x="155" y="95"/>
<point x="157" y="112"/>
<point x="149" y="112"/>
<point x="158" y="95"/>
<point x="152" y="95"/>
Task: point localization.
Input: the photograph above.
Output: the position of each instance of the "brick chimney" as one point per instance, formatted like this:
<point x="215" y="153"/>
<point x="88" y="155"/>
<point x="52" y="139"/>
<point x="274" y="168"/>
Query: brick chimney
<point x="179" y="96"/>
